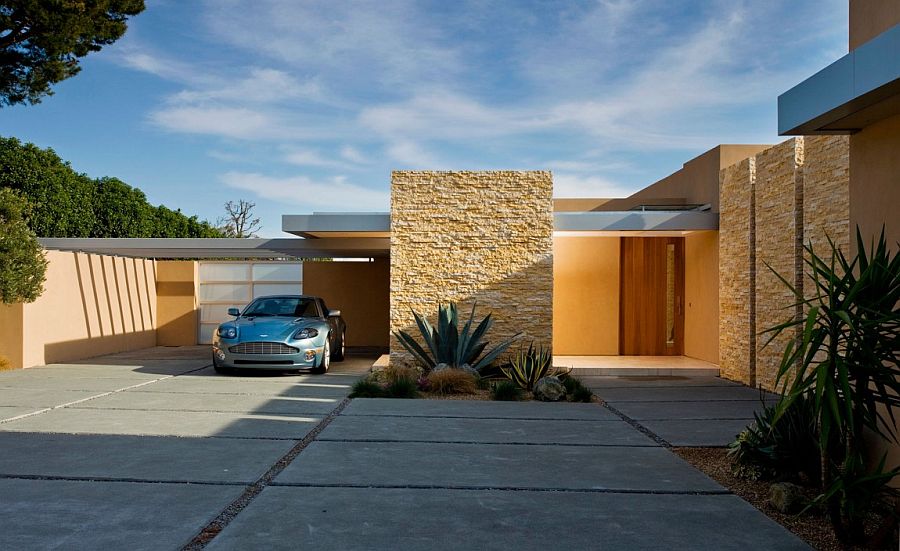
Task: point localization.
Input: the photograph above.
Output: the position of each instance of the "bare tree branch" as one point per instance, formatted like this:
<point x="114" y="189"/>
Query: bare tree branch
<point x="238" y="220"/>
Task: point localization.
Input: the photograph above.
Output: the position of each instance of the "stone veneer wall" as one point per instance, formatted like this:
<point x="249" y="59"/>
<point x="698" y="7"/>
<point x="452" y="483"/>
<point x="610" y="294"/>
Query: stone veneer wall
<point x="771" y="204"/>
<point x="473" y="236"/>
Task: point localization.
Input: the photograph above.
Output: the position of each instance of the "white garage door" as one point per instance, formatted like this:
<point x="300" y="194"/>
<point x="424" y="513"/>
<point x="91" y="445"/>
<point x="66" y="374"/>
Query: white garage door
<point x="225" y="285"/>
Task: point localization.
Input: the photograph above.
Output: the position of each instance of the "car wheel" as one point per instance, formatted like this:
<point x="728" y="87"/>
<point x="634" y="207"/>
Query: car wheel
<point x="221" y="369"/>
<point x="326" y="358"/>
<point x="340" y="349"/>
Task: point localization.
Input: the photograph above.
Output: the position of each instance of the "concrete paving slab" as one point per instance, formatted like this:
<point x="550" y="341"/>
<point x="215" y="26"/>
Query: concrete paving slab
<point x="476" y="408"/>
<point x="702" y="432"/>
<point x="216" y="385"/>
<point x="654" y="382"/>
<point x="142" y="458"/>
<point x="680" y="394"/>
<point x="501" y="431"/>
<point x="351" y="518"/>
<point x="97" y="385"/>
<point x="166" y="423"/>
<point x="8" y="412"/>
<point x="38" y="398"/>
<point x="493" y="466"/>
<point x="55" y="514"/>
<point x="708" y="409"/>
<point x="255" y="403"/>
<point x="106" y="371"/>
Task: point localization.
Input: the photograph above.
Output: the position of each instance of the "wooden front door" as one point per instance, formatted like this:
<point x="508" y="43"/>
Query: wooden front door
<point x="651" y="313"/>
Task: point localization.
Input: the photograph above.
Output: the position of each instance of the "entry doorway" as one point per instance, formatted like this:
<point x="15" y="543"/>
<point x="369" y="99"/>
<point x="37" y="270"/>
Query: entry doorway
<point x="651" y="301"/>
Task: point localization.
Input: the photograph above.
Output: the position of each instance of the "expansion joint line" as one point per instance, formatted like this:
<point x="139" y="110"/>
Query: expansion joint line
<point x="211" y="530"/>
<point x="641" y="428"/>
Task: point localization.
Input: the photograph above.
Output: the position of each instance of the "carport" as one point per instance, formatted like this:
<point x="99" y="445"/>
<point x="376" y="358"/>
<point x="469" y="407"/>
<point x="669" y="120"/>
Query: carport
<point x="119" y="295"/>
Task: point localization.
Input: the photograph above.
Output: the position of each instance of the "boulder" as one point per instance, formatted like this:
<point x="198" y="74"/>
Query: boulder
<point x="549" y="389"/>
<point x="787" y="498"/>
<point x="440" y="367"/>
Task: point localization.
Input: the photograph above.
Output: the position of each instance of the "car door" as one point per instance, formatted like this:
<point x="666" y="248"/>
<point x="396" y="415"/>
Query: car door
<point x="332" y="322"/>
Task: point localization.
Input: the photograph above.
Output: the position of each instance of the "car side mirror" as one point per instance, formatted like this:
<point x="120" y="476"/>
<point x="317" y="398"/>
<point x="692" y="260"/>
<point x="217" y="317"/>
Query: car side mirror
<point x="334" y="313"/>
<point x="234" y="312"/>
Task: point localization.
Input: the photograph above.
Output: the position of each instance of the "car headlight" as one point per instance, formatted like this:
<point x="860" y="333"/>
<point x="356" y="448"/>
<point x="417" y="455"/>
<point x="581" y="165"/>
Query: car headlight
<point x="227" y="332"/>
<point x="306" y="333"/>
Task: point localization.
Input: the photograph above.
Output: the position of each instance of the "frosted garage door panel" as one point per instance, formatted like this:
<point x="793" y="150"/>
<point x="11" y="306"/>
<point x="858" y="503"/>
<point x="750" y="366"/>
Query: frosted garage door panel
<point x="224" y="272"/>
<point x="217" y="312"/>
<point x="263" y="289"/>
<point x="225" y="292"/>
<point x="278" y="272"/>
<point x="206" y="332"/>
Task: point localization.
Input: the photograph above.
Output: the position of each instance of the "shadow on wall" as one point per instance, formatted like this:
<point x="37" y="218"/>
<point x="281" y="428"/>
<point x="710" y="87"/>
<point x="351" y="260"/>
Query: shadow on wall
<point x="521" y="302"/>
<point x="92" y="305"/>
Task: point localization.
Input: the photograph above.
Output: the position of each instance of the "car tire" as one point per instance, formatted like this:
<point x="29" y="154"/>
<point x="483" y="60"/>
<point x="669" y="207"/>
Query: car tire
<point x="338" y="354"/>
<point x="322" y="368"/>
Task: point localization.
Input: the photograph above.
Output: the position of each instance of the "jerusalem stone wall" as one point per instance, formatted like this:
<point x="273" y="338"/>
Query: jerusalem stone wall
<point x="771" y="204"/>
<point x="737" y="270"/>
<point x="484" y="237"/>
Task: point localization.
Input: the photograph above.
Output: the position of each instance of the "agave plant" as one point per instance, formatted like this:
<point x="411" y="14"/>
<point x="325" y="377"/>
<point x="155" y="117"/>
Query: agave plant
<point x="528" y="366"/>
<point x="451" y="345"/>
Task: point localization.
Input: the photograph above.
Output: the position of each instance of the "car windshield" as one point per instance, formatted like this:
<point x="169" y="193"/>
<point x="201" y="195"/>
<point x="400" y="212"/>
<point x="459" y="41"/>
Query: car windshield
<point x="295" y="307"/>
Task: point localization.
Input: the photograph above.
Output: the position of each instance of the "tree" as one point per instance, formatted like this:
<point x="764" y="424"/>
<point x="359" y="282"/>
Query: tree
<point x="23" y="266"/>
<point x="238" y="220"/>
<point x="121" y="210"/>
<point x="41" y="41"/>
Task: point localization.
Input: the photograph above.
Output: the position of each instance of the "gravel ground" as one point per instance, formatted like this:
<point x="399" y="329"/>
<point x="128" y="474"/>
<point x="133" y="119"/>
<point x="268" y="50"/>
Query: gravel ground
<point x="812" y="527"/>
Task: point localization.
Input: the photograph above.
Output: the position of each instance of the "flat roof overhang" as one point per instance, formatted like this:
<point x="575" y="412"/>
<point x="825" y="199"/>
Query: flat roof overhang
<point x="855" y="91"/>
<point x="343" y="225"/>
<point x="354" y="247"/>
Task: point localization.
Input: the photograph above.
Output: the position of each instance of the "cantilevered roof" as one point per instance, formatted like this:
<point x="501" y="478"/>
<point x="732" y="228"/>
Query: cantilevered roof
<point x="332" y="226"/>
<point x="354" y="247"/>
<point x="858" y="89"/>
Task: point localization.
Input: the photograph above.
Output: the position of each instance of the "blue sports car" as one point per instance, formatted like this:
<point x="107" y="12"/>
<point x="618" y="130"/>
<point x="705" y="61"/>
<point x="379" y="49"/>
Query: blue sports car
<point x="283" y="332"/>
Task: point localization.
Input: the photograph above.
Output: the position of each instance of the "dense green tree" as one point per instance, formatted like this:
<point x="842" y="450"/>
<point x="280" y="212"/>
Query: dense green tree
<point x="121" y="210"/>
<point x="41" y="41"/>
<point x="22" y="264"/>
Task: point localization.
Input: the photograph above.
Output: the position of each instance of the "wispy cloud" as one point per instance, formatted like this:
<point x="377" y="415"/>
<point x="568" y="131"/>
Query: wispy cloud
<point x="335" y="193"/>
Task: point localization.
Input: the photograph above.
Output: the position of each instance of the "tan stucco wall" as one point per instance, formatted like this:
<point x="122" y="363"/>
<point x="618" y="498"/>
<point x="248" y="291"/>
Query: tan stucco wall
<point x="701" y="296"/>
<point x="11" y="337"/>
<point x="586" y="296"/>
<point x="473" y="236"/>
<point x="875" y="180"/>
<point x="92" y="305"/>
<point x="360" y="290"/>
<point x="869" y="18"/>
<point x="177" y="287"/>
<point x="771" y="204"/>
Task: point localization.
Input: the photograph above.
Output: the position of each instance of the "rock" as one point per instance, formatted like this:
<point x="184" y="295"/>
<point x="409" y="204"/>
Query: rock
<point x="469" y="369"/>
<point x="440" y="367"/>
<point x="549" y="389"/>
<point x="787" y="498"/>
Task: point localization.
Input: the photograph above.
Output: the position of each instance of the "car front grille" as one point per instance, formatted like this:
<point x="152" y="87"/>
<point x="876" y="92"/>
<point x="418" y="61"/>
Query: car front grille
<point x="263" y="348"/>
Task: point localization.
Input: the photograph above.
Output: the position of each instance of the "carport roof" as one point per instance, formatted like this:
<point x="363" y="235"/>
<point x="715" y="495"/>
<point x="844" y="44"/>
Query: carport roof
<point x="355" y="247"/>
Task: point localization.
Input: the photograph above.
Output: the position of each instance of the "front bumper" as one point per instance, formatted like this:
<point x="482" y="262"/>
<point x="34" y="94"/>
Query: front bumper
<point x="307" y="358"/>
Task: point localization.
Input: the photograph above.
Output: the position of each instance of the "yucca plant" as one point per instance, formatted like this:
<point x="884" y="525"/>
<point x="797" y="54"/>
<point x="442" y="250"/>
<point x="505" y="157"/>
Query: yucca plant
<point x="847" y="358"/>
<point x="528" y="366"/>
<point x="451" y="345"/>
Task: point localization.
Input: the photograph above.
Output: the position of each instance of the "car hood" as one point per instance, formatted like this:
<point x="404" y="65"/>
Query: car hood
<point x="269" y="329"/>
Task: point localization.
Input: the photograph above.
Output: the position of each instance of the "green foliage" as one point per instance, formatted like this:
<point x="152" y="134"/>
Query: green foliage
<point x="784" y="447"/>
<point x="366" y="388"/>
<point x="846" y="358"/>
<point x="575" y="389"/>
<point x="506" y="391"/>
<point x="402" y="388"/>
<point x="528" y="366"/>
<point x="448" y="344"/>
<point x="22" y="263"/>
<point x="41" y="41"/>
<point x="66" y="203"/>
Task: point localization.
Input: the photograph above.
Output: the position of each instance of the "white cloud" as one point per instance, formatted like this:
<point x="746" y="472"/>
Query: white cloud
<point x="335" y="194"/>
<point x="220" y="121"/>
<point x="353" y="155"/>
<point x="567" y="185"/>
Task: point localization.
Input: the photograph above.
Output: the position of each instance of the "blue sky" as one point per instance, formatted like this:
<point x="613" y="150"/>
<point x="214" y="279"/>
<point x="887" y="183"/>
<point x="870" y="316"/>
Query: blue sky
<point x="307" y="106"/>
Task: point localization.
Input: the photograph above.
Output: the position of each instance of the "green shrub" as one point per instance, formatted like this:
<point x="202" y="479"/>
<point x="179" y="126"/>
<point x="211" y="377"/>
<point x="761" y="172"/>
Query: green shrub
<point x="451" y="381"/>
<point x="506" y="391"/>
<point x="451" y="345"/>
<point x="402" y="388"/>
<point x="575" y="389"/>
<point x="784" y="446"/>
<point x="582" y="394"/>
<point x="367" y="388"/>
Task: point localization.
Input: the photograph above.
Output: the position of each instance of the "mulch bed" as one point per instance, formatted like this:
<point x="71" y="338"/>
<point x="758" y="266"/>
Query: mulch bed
<point x="812" y="526"/>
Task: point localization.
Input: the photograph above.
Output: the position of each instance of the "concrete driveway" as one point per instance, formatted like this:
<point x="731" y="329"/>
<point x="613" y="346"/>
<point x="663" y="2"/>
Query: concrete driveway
<point x="150" y="450"/>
